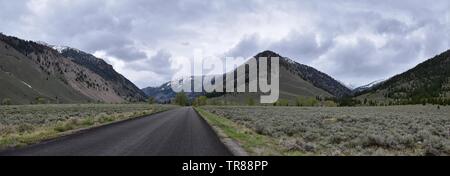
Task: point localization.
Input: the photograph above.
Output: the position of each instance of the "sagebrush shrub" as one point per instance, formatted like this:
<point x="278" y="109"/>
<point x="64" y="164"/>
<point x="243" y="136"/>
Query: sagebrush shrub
<point x="395" y="130"/>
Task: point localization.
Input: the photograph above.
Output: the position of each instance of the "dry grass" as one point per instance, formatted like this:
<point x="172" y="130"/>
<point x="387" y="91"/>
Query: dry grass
<point x="252" y="143"/>
<point x="395" y="130"/>
<point x="28" y="124"/>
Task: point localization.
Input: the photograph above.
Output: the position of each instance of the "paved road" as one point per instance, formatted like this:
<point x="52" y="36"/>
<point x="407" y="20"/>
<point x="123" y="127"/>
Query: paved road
<point x="172" y="133"/>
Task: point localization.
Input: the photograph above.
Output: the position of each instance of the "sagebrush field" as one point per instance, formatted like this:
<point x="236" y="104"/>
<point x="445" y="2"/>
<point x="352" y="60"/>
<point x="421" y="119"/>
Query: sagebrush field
<point x="27" y="124"/>
<point x="392" y="130"/>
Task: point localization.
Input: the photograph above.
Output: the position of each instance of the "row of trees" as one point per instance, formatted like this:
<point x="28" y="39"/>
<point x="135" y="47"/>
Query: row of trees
<point x="410" y="101"/>
<point x="306" y="101"/>
<point x="348" y="101"/>
<point x="37" y="100"/>
<point x="6" y="101"/>
<point x="182" y="100"/>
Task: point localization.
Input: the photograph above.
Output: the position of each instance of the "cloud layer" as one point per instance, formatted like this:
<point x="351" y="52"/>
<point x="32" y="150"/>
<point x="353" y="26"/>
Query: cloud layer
<point x="147" y="41"/>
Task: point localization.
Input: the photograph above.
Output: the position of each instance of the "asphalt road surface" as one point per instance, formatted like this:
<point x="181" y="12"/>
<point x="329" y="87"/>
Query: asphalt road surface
<point x="179" y="132"/>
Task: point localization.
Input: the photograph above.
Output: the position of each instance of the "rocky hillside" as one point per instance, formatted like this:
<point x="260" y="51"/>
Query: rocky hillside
<point x="295" y="80"/>
<point x="310" y="74"/>
<point x="165" y="94"/>
<point x="31" y="72"/>
<point x="162" y="94"/>
<point x="427" y="82"/>
<point x="121" y="85"/>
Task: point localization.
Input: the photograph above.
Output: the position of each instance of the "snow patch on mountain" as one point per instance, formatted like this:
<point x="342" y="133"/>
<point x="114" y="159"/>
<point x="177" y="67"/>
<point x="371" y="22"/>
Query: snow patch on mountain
<point x="290" y="60"/>
<point x="373" y="83"/>
<point x="349" y="85"/>
<point x="368" y="86"/>
<point x="28" y="85"/>
<point x="60" y="49"/>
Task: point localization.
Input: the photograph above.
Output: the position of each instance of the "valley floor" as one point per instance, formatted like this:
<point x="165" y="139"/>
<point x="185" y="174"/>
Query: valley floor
<point x="391" y="130"/>
<point x="260" y="130"/>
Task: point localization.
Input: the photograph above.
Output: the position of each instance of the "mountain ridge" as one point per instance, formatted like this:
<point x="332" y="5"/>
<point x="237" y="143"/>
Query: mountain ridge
<point x="121" y="85"/>
<point x="428" y="81"/>
<point x="295" y="80"/>
<point x="308" y="73"/>
<point x="56" y="78"/>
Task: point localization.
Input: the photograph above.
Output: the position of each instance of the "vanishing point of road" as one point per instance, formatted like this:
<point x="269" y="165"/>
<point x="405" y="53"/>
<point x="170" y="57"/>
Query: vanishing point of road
<point x="178" y="132"/>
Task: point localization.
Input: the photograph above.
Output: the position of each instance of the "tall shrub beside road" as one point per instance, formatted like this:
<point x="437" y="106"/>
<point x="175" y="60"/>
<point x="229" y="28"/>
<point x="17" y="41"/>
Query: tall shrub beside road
<point x="200" y="101"/>
<point x="181" y="99"/>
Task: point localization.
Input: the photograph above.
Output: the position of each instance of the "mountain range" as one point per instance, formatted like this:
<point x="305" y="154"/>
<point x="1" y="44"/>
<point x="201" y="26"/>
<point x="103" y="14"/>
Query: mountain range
<point x="428" y="82"/>
<point x="295" y="80"/>
<point x="35" y="72"/>
<point x="32" y="72"/>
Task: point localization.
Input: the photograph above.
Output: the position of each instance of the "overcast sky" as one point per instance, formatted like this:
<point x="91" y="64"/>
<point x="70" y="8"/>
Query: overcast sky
<point x="356" y="42"/>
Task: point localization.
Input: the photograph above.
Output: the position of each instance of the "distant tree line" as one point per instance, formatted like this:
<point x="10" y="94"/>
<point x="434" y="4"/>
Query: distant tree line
<point x="410" y="101"/>
<point x="6" y="101"/>
<point x="307" y="101"/>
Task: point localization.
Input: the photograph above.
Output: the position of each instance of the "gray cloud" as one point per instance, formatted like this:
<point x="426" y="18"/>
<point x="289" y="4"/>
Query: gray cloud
<point x="159" y="64"/>
<point x="305" y="47"/>
<point x="391" y="26"/>
<point x="356" y="41"/>
<point x="245" y="48"/>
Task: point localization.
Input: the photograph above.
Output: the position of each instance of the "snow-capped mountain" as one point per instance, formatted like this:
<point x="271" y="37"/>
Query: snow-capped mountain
<point x="368" y="86"/>
<point x="60" y="49"/>
<point x="165" y="93"/>
<point x="59" y="74"/>
<point x="295" y="80"/>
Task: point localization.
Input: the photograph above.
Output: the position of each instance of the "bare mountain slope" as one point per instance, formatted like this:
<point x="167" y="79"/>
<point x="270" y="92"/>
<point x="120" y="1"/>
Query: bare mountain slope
<point x="295" y="80"/>
<point x="49" y="76"/>
<point x="23" y="82"/>
<point x="121" y="85"/>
